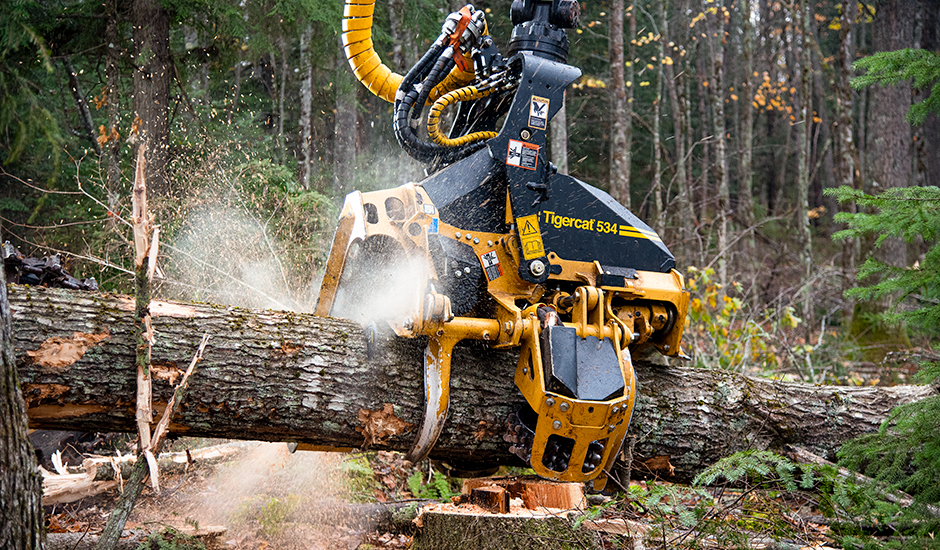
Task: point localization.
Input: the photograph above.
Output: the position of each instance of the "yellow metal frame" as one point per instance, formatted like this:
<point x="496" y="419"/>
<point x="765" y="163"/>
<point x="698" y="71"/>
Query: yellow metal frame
<point x="648" y="309"/>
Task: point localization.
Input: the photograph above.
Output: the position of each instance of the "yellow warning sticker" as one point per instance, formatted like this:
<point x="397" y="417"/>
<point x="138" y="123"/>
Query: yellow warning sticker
<point x="531" y="237"/>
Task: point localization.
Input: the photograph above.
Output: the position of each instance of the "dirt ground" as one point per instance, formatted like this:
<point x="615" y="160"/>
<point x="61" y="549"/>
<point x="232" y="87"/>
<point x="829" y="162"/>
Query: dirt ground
<point x="264" y="498"/>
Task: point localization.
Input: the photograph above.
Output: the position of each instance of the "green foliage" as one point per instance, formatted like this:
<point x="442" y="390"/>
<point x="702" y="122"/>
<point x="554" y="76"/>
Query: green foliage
<point x="269" y="512"/>
<point x="30" y="128"/>
<point x="904" y="453"/>
<point x="670" y="503"/>
<point x="723" y="331"/>
<point x="922" y="67"/>
<point x="360" y="478"/>
<point x="756" y="467"/>
<point x="591" y="514"/>
<point x="171" y="539"/>
<point x="755" y="495"/>
<point x="439" y="487"/>
<point x="911" y="214"/>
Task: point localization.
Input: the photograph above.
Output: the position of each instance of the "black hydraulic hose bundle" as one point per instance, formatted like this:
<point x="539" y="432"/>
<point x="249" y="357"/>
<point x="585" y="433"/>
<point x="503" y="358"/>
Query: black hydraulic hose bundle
<point x="411" y="96"/>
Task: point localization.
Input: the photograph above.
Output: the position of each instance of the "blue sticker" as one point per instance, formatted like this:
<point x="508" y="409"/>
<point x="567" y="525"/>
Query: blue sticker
<point x="432" y="228"/>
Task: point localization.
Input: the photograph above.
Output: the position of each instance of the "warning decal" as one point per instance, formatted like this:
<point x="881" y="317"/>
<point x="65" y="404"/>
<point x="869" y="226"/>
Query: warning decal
<point x="538" y="112"/>
<point x="530" y="237"/>
<point x="491" y="265"/>
<point x="522" y="154"/>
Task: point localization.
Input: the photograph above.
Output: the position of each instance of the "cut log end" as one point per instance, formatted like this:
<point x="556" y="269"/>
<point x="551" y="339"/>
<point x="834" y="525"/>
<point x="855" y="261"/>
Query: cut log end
<point x="492" y="499"/>
<point x="533" y="492"/>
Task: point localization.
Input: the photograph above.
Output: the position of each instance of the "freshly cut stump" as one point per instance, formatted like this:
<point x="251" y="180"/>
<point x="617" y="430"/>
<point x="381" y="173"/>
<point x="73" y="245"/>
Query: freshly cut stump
<point x="443" y="529"/>
<point x="534" y="492"/>
<point x="540" y="514"/>
<point x="492" y="499"/>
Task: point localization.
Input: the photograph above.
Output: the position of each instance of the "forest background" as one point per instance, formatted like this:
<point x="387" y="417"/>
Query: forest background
<point x="720" y="123"/>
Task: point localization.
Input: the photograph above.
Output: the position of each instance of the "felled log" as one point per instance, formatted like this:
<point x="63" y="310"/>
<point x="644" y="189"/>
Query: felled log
<point x="283" y="376"/>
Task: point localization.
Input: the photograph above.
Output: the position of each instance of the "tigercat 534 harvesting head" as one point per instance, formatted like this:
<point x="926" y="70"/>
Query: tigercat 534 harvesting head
<point x="495" y="245"/>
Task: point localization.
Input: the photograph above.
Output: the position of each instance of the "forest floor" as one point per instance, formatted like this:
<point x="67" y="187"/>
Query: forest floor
<point x="268" y="498"/>
<point x="264" y="498"/>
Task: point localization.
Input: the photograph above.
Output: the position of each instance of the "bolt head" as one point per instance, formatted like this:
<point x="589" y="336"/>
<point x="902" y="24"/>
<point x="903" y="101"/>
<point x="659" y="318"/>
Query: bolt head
<point x="525" y="134"/>
<point x="550" y="402"/>
<point x="564" y="407"/>
<point x="556" y="424"/>
<point x="537" y="268"/>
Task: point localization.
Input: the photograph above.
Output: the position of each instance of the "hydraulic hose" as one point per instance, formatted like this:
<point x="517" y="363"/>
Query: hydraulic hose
<point x="467" y="93"/>
<point x="411" y="97"/>
<point x="444" y="64"/>
<point x="367" y="65"/>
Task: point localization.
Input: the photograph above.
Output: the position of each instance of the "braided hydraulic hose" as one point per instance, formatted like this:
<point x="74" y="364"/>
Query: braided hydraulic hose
<point x="466" y="93"/>
<point x="443" y="65"/>
<point x="367" y="65"/>
<point x="410" y="96"/>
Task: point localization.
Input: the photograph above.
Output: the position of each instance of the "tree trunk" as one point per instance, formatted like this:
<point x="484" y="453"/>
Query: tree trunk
<point x="84" y="114"/>
<point x="21" y="523"/>
<point x="802" y="165"/>
<point x="716" y="87"/>
<point x="280" y="151"/>
<point x="282" y="376"/>
<point x="306" y="108"/>
<point x="152" y="76"/>
<point x="930" y="40"/>
<point x="679" y="116"/>
<point x="659" y="221"/>
<point x="889" y="150"/>
<point x="890" y="143"/>
<point x="113" y="144"/>
<point x="619" y="116"/>
<point x="396" y="15"/>
<point x="344" y="135"/>
<point x="845" y="144"/>
<point x="746" y="138"/>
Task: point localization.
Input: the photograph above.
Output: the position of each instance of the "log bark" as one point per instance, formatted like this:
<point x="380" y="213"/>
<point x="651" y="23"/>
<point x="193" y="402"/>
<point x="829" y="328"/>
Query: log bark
<point x="21" y="520"/>
<point x="283" y="376"/>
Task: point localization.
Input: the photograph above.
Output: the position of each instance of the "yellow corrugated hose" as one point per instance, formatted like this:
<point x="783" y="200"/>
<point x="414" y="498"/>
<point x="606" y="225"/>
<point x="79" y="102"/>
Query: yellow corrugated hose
<point x="368" y="67"/>
<point x="434" y="117"/>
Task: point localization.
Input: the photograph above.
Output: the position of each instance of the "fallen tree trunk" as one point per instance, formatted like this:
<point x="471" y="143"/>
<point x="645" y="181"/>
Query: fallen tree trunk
<point x="282" y="376"/>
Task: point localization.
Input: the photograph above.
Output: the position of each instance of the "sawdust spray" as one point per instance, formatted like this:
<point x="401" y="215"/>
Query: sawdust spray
<point x="225" y="252"/>
<point x="291" y="501"/>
